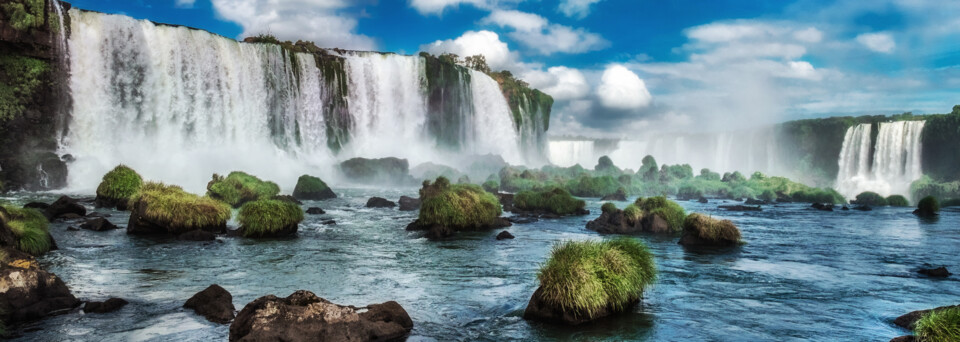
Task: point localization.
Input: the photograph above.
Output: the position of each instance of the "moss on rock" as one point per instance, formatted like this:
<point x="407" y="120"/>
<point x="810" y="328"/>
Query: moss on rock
<point x="446" y="208"/>
<point x="117" y="187"/>
<point x="668" y="210"/>
<point x="167" y="209"/>
<point x="239" y="187"/>
<point x="928" y="207"/>
<point x="703" y="230"/>
<point x="269" y="218"/>
<point x="29" y="227"/>
<point x="870" y="198"/>
<point x="556" y="201"/>
<point x="312" y="188"/>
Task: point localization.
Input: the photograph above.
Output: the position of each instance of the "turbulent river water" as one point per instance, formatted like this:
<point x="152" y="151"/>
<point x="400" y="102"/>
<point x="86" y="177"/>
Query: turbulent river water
<point x="802" y="275"/>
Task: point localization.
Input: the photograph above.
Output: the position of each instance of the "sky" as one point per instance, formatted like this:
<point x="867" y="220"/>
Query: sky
<point x="618" y="68"/>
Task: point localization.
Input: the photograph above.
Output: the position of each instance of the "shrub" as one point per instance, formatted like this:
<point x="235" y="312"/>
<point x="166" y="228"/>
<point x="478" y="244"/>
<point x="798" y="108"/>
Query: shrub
<point x="608" y="207"/>
<point x="312" y="188"/>
<point x="817" y="195"/>
<point x="587" y="277"/>
<point x="897" y="201"/>
<point x="669" y="210"/>
<point x="736" y="176"/>
<point x="557" y="201"/>
<point x="29" y="227"/>
<point x="462" y="206"/>
<point x="587" y="186"/>
<point x="928" y="206"/>
<point x="268" y="217"/>
<point x="768" y="195"/>
<point x="711" y="229"/>
<point x="178" y="210"/>
<point x="688" y="191"/>
<point x="708" y="175"/>
<point x="119" y="184"/>
<point x="491" y="186"/>
<point x="238" y="188"/>
<point x="871" y="199"/>
<point x="742" y="191"/>
<point x="632" y="213"/>
<point x="939" y="326"/>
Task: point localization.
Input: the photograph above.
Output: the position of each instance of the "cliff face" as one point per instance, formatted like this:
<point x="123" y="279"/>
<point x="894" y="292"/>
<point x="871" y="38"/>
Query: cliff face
<point x="32" y="95"/>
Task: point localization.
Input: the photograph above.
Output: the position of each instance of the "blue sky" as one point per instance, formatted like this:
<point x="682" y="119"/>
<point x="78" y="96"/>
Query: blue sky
<point x="617" y="67"/>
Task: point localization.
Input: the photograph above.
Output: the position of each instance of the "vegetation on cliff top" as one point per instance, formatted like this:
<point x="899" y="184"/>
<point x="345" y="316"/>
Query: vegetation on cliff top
<point x="24" y="15"/>
<point x="266" y="217"/>
<point x="463" y="206"/>
<point x="178" y="210"/>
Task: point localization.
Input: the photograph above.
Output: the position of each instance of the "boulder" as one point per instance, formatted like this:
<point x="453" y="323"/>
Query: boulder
<point x="213" y="303"/>
<point x="863" y="208"/>
<point x="303" y="316"/>
<point x="312" y="188"/>
<point x="379" y="202"/>
<point x="109" y="305"/>
<point x="315" y="211"/>
<point x="703" y="200"/>
<point x="904" y="339"/>
<point x="409" y="203"/>
<point x="615" y="222"/>
<point x="63" y="206"/>
<point x="739" y="207"/>
<point x="28" y="292"/>
<point x="504" y="235"/>
<point x="703" y="231"/>
<point x="197" y="235"/>
<point x="822" y="206"/>
<point x="98" y="224"/>
<point x="939" y="272"/>
<point x="908" y="321"/>
<point x="540" y="310"/>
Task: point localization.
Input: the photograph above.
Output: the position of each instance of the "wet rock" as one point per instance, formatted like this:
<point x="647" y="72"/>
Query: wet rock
<point x="96" y="214"/>
<point x="64" y="206"/>
<point x="904" y="339"/>
<point x="739" y="207"/>
<point x="329" y="223"/>
<point x="73" y="229"/>
<point x="909" y="320"/>
<point x="98" y="224"/>
<point x="504" y="235"/>
<point x="703" y="200"/>
<point x="37" y="205"/>
<point x="379" y="202"/>
<point x="939" y="272"/>
<point x="409" y="203"/>
<point x="28" y="292"/>
<point x="752" y="201"/>
<point x="845" y="208"/>
<point x="506" y="200"/>
<point x="615" y="222"/>
<point x="315" y="211"/>
<point x="109" y="305"/>
<point x="69" y="217"/>
<point x="213" y="303"/>
<point x="618" y="196"/>
<point x="391" y="171"/>
<point x="197" y="235"/>
<point x="822" y="206"/>
<point x="303" y="316"/>
<point x="522" y="219"/>
<point x="539" y="309"/>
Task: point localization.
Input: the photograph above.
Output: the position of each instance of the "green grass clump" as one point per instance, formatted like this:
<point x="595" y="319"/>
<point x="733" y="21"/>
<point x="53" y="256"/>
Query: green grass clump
<point x="310" y="187"/>
<point x="768" y="195"/>
<point x="587" y="186"/>
<point x="491" y="186"/>
<point x="239" y="187"/>
<point x="120" y="183"/>
<point x="711" y="229"/>
<point x="30" y="228"/>
<point x="584" y="278"/>
<point x="178" y="210"/>
<point x="556" y="200"/>
<point x="632" y="213"/>
<point x="266" y="217"/>
<point x="939" y="326"/>
<point x="928" y="205"/>
<point x="897" y="201"/>
<point x="871" y="198"/>
<point x="461" y="206"/>
<point x="608" y="207"/>
<point x="669" y="210"/>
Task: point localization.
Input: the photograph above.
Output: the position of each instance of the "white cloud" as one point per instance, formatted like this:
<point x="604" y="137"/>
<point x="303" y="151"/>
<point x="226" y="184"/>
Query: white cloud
<point x="436" y="7"/>
<point x="535" y="32"/>
<point x="185" y="3"/>
<point x="576" y="8"/>
<point x="878" y="42"/>
<point x="314" y="20"/>
<point x="622" y="89"/>
<point x="560" y="82"/>
<point x="486" y="43"/>
<point x="808" y="35"/>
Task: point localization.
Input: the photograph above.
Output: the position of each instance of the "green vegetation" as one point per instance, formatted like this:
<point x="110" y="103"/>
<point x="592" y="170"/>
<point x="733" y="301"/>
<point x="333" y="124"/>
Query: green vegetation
<point x="711" y="229"/>
<point x="24" y="15"/>
<point x="120" y="183"/>
<point x="870" y="198"/>
<point x="267" y="217"/>
<point x="897" y="201"/>
<point x="939" y="326"/>
<point x="668" y="210"/>
<point x="587" y="186"/>
<point x="29" y="227"/>
<point x="557" y="201"/>
<point x="462" y="206"/>
<point x="632" y="213"/>
<point x="927" y="186"/>
<point x="238" y="188"/>
<point x="940" y="137"/>
<point x="585" y="278"/>
<point x="608" y="207"/>
<point x="178" y="210"/>
<point x="953" y="202"/>
<point x="491" y="186"/>
<point x="310" y="187"/>
<point x="928" y="206"/>
<point x="21" y="78"/>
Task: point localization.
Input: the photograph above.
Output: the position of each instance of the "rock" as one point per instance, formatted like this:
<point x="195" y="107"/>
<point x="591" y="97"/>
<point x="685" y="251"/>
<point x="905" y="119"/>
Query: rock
<point x="98" y="224"/>
<point x="538" y="309"/>
<point x="409" y="203"/>
<point x="522" y="219"/>
<point x="615" y="197"/>
<point x="904" y="339"/>
<point x="654" y="224"/>
<point x="863" y="208"/>
<point x="703" y="200"/>
<point x="700" y="230"/>
<point x="110" y="305"/>
<point x="939" y="272"/>
<point x="822" y="207"/>
<point x="751" y="201"/>
<point x="329" y="223"/>
<point x="845" y="208"/>
<point x="63" y="206"/>
<point x="615" y="222"/>
<point x="73" y="229"/>
<point x="315" y="211"/>
<point x="506" y="200"/>
<point x="391" y="171"/>
<point x="37" y="205"/>
<point x="303" y="316"/>
<point x="739" y="207"/>
<point x="312" y="188"/>
<point x="197" y="235"/>
<point x="909" y="320"/>
<point x="213" y="303"/>
<point x="69" y="217"/>
<point x="379" y="202"/>
<point x="96" y="214"/>
<point x="504" y="235"/>
<point x="28" y="292"/>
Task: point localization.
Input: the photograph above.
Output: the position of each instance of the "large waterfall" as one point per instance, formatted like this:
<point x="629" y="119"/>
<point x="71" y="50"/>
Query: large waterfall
<point x="179" y="104"/>
<point x="886" y="167"/>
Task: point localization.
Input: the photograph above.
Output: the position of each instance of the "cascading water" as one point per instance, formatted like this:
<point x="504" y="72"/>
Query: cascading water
<point x="896" y="159"/>
<point x="179" y="104"/>
<point x="566" y="153"/>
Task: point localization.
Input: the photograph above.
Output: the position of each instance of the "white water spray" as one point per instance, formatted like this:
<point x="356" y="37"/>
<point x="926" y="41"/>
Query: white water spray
<point x="896" y="159"/>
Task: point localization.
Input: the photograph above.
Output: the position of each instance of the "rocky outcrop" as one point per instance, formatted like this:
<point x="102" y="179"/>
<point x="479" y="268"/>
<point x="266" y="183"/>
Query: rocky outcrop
<point x="615" y="222"/>
<point x="28" y="292"/>
<point x="504" y="235"/>
<point x="98" y="224"/>
<point x="909" y="321"/>
<point x="315" y="211"/>
<point x="303" y="316"/>
<point x="409" y="203"/>
<point x="109" y="305"/>
<point x="939" y="272"/>
<point x="540" y="310"/>
<point x="213" y="303"/>
<point x="379" y="202"/>
<point x="700" y="230"/>
<point x="63" y="207"/>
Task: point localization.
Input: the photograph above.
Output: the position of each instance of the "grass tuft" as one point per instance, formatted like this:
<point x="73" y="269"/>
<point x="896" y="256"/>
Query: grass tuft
<point x="556" y="200"/>
<point x="929" y="205"/>
<point x="608" y="207"/>
<point x="30" y="228"/>
<point x="239" y="187"/>
<point x="939" y="326"/>
<point x="266" y="217"/>
<point x="178" y="210"/>
<point x="669" y="210"/>
<point x="897" y="201"/>
<point x="871" y="198"/>
<point x="711" y="229"/>
<point x="586" y="277"/>
<point x="461" y="206"/>
<point x="120" y="183"/>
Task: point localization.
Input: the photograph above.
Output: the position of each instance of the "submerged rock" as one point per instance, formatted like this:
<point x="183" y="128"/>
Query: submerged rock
<point x="822" y="206"/>
<point x="739" y="207"/>
<point x="703" y="200"/>
<point x="504" y="235"/>
<point x="303" y="316"/>
<point x="213" y="303"/>
<point x="939" y="272"/>
<point x="98" y="224"/>
<point x="109" y="305"/>
<point x="863" y="208"/>
<point x="379" y="202"/>
<point x="522" y="219"/>
<point x="409" y="203"/>
<point x="315" y="211"/>
<point x="63" y="207"/>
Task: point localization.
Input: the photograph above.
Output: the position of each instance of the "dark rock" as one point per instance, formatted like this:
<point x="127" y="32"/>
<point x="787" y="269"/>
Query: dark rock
<point x="437" y="231"/>
<point x="822" y="206"/>
<point x="616" y="223"/>
<point x="506" y="200"/>
<point x="904" y="339"/>
<point x="303" y="316"/>
<point x="379" y="202"/>
<point x="197" y="235"/>
<point x="107" y="202"/>
<point x="110" y="305"/>
<point x="96" y="214"/>
<point x="522" y="219"/>
<point x="69" y="217"/>
<point x="751" y="201"/>
<point x="703" y="200"/>
<point x="909" y="320"/>
<point x="329" y="223"/>
<point x="63" y="206"/>
<point x="539" y="310"/>
<point x="315" y="211"/>
<point x="409" y="203"/>
<point x="73" y="229"/>
<point x="939" y="272"/>
<point x="98" y="224"/>
<point x="863" y="208"/>
<point x="615" y="197"/>
<point x="214" y="303"/>
<point x="29" y="292"/>
<point x="392" y="171"/>
<point x="287" y="198"/>
<point x="845" y="208"/>
<point x="739" y="207"/>
<point x="504" y="235"/>
<point x="37" y="205"/>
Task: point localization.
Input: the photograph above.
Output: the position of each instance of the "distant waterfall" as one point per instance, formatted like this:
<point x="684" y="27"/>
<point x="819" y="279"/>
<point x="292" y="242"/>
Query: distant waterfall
<point x="566" y="153"/>
<point x="896" y="159"/>
<point x="179" y="104"/>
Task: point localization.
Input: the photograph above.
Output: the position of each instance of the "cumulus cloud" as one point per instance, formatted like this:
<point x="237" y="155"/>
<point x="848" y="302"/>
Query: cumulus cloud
<point x="486" y="43"/>
<point x="576" y="8"/>
<point x="320" y="21"/>
<point x="621" y="89"/>
<point x="185" y="3"/>
<point x="878" y="42"/>
<point x="561" y="82"/>
<point x="535" y="32"/>
<point x="436" y="7"/>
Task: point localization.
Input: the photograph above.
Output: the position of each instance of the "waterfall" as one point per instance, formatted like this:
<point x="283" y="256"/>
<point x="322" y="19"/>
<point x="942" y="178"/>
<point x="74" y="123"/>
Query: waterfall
<point x="178" y="104"/>
<point x="896" y="159"/>
<point x="567" y="153"/>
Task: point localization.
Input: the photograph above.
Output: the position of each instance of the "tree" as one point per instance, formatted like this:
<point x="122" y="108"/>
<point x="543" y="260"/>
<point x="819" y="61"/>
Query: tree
<point x="478" y="63"/>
